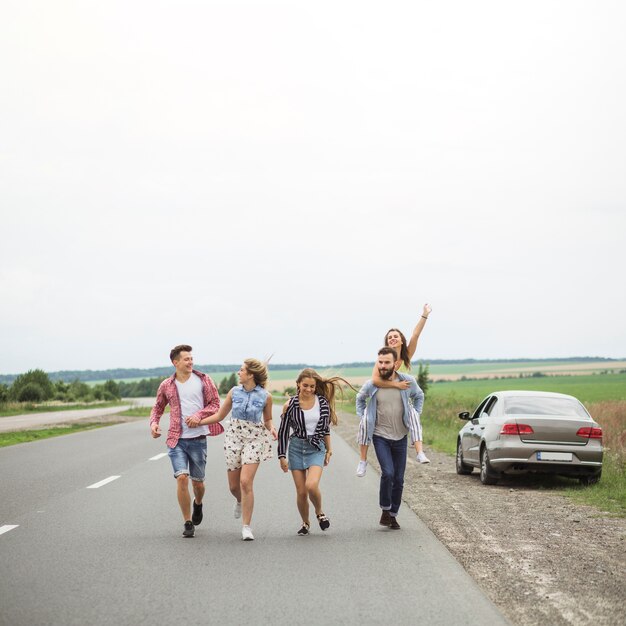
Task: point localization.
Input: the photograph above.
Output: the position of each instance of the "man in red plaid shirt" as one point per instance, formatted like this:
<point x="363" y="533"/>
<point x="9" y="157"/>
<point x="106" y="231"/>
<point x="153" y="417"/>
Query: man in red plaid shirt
<point x="192" y="396"/>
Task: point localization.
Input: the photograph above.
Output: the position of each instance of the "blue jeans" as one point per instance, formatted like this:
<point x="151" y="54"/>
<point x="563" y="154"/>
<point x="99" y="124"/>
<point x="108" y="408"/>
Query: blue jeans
<point x="189" y="457"/>
<point x="392" y="458"/>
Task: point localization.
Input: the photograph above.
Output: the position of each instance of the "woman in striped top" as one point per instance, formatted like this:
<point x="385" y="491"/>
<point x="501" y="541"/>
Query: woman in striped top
<point x="308" y="416"/>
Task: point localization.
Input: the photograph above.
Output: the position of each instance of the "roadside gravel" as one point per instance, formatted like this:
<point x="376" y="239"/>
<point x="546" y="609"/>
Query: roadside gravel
<point x="540" y="558"/>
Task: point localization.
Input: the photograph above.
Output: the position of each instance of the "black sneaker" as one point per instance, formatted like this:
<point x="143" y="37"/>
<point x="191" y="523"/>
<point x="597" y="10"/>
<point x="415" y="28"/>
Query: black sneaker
<point x="189" y="530"/>
<point x="196" y="518"/>
<point x="385" y="519"/>
<point x="324" y="522"/>
<point x="304" y="530"/>
<point x="394" y="524"/>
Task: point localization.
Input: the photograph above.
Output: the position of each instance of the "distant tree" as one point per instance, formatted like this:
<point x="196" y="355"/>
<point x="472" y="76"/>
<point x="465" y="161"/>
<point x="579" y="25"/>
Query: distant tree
<point x="112" y="389"/>
<point x="80" y="391"/>
<point x="422" y="377"/>
<point x="227" y="383"/>
<point x="37" y="377"/>
<point x="30" y="392"/>
<point x="4" y="393"/>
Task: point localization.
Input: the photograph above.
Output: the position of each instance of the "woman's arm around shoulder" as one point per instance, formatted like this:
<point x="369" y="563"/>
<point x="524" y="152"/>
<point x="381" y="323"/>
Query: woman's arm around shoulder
<point x="381" y="383"/>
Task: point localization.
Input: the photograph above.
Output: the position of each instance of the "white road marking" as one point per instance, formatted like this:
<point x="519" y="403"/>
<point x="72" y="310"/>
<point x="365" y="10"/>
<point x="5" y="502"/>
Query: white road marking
<point x="106" y="481"/>
<point x="7" y="528"/>
<point x="158" y="456"/>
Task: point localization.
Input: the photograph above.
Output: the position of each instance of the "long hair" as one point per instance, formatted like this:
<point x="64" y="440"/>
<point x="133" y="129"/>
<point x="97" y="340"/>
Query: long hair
<point x="258" y="370"/>
<point x="326" y="387"/>
<point x="404" y="351"/>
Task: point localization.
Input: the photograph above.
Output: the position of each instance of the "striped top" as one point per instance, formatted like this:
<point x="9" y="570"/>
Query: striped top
<point x="293" y="419"/>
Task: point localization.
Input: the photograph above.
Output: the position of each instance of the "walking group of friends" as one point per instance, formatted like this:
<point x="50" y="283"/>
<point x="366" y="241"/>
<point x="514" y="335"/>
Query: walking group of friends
<point x="388" y="405"/>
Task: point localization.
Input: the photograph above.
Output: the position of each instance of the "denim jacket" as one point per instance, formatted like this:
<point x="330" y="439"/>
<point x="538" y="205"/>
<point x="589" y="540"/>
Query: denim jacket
<point x="412" y="400"/>
<point x="248" y="405"/>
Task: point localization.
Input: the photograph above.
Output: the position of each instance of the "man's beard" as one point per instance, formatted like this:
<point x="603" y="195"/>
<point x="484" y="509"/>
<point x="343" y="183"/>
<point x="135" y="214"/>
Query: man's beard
<point x="385" y="374"/>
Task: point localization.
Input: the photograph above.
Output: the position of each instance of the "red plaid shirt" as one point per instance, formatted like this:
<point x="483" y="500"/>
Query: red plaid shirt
<point x="168" y="394"/>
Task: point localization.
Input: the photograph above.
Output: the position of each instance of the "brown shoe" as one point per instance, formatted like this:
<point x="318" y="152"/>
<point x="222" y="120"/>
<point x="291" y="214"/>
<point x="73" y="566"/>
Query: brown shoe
<point x="394" y="523"/>
<point x="385" y="519"/>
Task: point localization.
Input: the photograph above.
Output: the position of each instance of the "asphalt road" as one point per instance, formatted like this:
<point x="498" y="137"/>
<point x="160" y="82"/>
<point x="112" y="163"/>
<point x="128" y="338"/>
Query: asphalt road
<point x="71" y="554"/>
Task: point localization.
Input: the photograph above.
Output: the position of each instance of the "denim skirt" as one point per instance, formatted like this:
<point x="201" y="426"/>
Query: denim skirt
<point x="301" y="454"/>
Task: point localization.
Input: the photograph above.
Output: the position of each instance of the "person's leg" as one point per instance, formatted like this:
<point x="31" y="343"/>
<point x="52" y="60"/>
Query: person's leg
<point x="312" y="484"/>
<point x="302" y="498"/>
<point x="382" y="447"/>
<point x="184" y="499"/>
<point x="234" y="483"/>
<point x="246" y="481"/>
<point x="180" y="463"/>
<point x="196" y="452"/>
<point x="398" y="451"/>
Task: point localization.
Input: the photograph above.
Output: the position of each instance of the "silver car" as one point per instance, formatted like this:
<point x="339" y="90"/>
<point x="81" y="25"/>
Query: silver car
<point x="530" y="431"/>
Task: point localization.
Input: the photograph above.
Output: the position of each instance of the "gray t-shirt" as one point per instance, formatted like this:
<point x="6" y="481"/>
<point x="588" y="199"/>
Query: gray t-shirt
<point x="389" y="413"/>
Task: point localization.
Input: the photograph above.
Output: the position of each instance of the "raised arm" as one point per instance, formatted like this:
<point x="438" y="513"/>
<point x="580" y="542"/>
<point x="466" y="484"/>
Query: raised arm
<point x="417" y="331"/>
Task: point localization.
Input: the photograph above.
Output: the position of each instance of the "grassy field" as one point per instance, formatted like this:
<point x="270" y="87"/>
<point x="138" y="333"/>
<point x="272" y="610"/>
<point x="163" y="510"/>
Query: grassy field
<point x="20" y="408"/>
<point x="588" y="388"/>
<point x="603" y="395"/>
<point x="24" y="436"/>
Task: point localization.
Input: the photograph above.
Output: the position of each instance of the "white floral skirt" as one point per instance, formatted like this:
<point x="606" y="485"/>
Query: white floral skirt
<point x="246" y="443"/>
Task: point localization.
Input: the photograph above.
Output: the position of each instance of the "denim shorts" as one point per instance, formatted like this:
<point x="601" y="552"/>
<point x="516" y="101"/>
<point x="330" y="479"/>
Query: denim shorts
<point x="301" y="454"/>
<point x="189" y="457"/>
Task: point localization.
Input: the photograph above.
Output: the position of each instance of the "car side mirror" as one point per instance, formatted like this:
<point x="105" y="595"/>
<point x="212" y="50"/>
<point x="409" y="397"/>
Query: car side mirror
<point x="464" y="415"/>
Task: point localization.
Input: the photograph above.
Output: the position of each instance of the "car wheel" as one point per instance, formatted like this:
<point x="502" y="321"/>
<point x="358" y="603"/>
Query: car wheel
<point x="461" y="468"/>
<point x="487" y="475"/>
<point x="591" y="479"/>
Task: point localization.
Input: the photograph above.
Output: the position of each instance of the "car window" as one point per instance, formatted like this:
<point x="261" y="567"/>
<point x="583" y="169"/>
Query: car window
<point x="491" y="405"/>
<point x="537" y="405"/>
<point x="479" y="409"/>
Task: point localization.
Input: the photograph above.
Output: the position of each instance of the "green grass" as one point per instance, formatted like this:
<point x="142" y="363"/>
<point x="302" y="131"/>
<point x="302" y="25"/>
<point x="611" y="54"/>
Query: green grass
<point x="24" y="436"/>
<point x="137" y="411"/>
<point x="15" y="408"/>
<point x="587" y="388"/>
<point x="609" y="494"/>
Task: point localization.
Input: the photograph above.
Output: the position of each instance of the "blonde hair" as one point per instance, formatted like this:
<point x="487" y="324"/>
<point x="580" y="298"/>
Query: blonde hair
<point x="258" y="370"/>
<point x="325" y="387"/>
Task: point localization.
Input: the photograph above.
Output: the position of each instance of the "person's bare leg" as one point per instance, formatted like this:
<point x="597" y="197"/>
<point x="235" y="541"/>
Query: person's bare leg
<point x="184" y="499"/>
<point x="198" y="490"/>
<point x="313" y="487"/>
<point x="246" y="482"/>
<point x="234" y="483"/>
<point x="302" y="498"/>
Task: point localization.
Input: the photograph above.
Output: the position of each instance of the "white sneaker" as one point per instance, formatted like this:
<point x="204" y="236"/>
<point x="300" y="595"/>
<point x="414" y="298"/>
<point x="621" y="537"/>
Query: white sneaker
<point x="361" y="469"/>
<point x="237" y="510"/>
<point x="246" y="534"/>
<point x="422" y="458"/>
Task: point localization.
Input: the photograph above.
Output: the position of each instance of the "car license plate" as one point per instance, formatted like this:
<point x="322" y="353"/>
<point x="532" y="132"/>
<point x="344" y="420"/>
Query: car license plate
<point x="554" y="456"/>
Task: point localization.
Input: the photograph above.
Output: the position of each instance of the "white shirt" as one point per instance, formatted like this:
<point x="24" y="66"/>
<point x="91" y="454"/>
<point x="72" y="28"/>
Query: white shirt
<point x="312" y="417"/>
<point x="191" y="401"/>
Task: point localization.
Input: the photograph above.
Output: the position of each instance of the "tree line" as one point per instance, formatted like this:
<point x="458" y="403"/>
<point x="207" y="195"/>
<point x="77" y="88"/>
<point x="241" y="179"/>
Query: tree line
<point x="165" y="371"/>
<point x="36" y="386"/>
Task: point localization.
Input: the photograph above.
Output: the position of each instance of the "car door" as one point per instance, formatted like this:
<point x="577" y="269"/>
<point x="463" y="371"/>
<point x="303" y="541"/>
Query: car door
<point x="473" y="431"/>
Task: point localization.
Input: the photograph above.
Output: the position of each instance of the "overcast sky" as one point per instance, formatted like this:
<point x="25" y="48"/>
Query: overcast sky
<point x="296" y="177"/>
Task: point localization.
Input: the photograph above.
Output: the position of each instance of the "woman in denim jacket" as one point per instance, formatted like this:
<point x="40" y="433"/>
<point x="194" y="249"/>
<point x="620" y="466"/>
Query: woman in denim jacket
<point x="246" y="442"/>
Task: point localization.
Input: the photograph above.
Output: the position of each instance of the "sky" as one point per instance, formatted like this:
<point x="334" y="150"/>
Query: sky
<point x="295" y="178"/>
